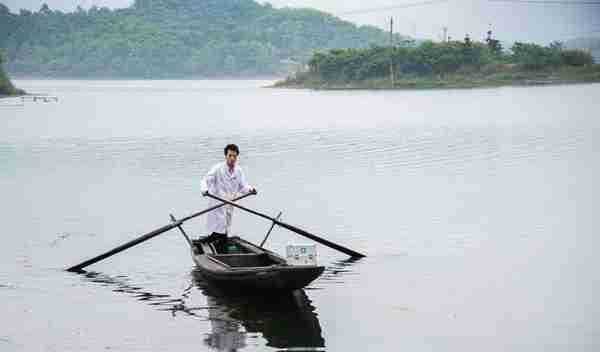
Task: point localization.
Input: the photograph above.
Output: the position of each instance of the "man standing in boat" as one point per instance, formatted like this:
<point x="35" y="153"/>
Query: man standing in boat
<point x="226" y="180"/>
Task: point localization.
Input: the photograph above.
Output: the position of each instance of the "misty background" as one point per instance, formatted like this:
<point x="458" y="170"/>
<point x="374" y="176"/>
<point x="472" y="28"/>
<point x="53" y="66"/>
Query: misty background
<point x="540" y="21"/>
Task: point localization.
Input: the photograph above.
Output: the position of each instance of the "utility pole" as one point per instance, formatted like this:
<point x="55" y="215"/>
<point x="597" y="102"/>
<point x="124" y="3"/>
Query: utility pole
<point x="392" y="51"/>
<point x="445" y="34"/>
<point x="415" y="30"/>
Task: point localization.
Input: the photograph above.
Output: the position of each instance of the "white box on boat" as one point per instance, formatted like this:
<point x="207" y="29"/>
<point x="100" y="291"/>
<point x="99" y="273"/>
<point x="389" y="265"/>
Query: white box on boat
<point x="301" y="254"/>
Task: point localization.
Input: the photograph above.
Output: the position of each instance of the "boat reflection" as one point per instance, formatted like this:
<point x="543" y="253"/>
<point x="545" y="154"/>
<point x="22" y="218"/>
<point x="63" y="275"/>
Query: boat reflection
<point x="287" y="321"/>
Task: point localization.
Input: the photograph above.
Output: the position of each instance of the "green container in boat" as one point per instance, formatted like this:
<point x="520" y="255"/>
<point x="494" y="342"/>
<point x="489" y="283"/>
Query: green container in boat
<point x="233" y="248"/>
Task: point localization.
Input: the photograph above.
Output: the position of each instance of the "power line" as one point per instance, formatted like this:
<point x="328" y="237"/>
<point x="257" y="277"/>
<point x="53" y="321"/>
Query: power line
<point x="551" y="2"/>
<point x="579" y="34"/>
<point x="432" y="2"/>
<point x="393" y="7"/>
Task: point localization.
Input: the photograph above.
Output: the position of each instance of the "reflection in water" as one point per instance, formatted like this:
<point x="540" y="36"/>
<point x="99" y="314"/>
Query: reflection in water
<point x="287" y="321"/>
<point x="226" y="334"/>
<point x="163" y="302"/>
<point x="336" y="271"/>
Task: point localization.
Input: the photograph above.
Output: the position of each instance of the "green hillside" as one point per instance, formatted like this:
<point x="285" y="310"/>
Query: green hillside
<point x="173" y="39"/>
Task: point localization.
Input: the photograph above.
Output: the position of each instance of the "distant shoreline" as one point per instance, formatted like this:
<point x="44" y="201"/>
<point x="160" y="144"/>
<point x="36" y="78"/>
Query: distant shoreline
<point x="14" y="93"/>
<point x="386" y="86"/>
<point x="76" y="78"/>
<point x="21" y="93"/>
<point x="564" y="76"/>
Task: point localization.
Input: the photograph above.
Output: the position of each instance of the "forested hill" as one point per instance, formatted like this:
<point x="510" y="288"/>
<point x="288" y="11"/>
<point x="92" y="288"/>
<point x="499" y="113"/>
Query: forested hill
<point x="173" y="39"/>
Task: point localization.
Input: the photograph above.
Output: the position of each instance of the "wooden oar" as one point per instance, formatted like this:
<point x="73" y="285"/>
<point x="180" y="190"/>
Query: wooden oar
<point x="299" y="231"/>
<point x="150" y="235"/>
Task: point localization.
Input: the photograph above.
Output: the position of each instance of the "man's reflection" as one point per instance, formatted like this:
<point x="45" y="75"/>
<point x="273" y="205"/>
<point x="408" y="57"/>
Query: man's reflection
<point x="227" y="334"/>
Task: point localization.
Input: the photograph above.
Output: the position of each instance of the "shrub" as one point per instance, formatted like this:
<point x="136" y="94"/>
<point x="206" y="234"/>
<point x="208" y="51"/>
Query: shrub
<point x="535" y="57"/>
<point x="576" y="58"/>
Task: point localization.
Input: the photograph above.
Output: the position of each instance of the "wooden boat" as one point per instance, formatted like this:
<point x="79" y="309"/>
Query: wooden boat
<point x="250" y="267"/>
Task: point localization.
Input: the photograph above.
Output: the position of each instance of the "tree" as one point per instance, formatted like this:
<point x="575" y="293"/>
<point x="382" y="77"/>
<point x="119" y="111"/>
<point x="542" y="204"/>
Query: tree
<point x="535" y="57"/>
<point x="4" y="10"/>
<point x="44" y="9"/>
<point x="494" y="45"/>
<point x="556" y="45"/>
<point x="575" y="57"/>
<point x="174" y="38"/>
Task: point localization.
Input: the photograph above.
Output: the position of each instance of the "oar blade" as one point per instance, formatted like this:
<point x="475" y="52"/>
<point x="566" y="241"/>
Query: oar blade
<point x="295" y="229"/>
<point x="348" y="251"/>
<point x="79" y="267"/>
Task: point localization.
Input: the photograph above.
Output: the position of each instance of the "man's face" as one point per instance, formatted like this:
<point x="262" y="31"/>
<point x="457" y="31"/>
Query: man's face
<point x="231" y="158"/>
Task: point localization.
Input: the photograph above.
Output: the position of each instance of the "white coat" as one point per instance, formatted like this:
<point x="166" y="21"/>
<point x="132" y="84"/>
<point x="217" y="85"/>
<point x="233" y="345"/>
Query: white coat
<point x="227" y="185"/>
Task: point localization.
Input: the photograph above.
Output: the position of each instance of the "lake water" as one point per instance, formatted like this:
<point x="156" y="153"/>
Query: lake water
<point x="475" y="209"/>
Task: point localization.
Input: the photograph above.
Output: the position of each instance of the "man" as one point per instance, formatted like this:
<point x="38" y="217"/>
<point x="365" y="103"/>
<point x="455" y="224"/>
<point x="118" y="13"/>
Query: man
<point x="226" y="180"/>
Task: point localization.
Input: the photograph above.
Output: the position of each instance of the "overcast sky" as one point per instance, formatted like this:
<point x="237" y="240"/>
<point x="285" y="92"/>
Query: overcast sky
<point x="510" y="21"/>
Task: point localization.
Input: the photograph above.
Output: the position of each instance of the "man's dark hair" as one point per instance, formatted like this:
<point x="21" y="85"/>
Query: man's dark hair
<point x="232" y="147"/>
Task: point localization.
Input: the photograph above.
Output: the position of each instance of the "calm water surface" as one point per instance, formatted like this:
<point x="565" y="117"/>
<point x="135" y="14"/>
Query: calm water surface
<point x="475" y="208"/>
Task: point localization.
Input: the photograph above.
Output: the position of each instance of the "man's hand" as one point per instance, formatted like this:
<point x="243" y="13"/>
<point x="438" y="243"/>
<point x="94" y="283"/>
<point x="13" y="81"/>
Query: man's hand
<point x="205" y="193"/>
<point x="253" y="190"/>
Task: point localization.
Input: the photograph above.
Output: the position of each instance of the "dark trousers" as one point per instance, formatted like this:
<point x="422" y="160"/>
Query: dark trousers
<point x="218" y="240"/>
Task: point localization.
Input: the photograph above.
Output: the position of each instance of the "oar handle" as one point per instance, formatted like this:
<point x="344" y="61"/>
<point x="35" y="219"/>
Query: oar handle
<point x="181" y="221"/>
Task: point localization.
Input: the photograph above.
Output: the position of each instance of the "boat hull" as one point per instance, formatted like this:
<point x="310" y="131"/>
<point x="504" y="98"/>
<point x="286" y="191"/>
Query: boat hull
<point x="251" y="268"/>
<point x="274" y="278"/>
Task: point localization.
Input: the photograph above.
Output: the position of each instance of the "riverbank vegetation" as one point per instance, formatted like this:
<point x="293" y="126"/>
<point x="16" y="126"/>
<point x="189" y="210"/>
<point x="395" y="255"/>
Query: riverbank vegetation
<point x="590" y="44"/>
<point x="452" y="64"/>
<point x="6" y="86"/>
<point x="173" y="39"/>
